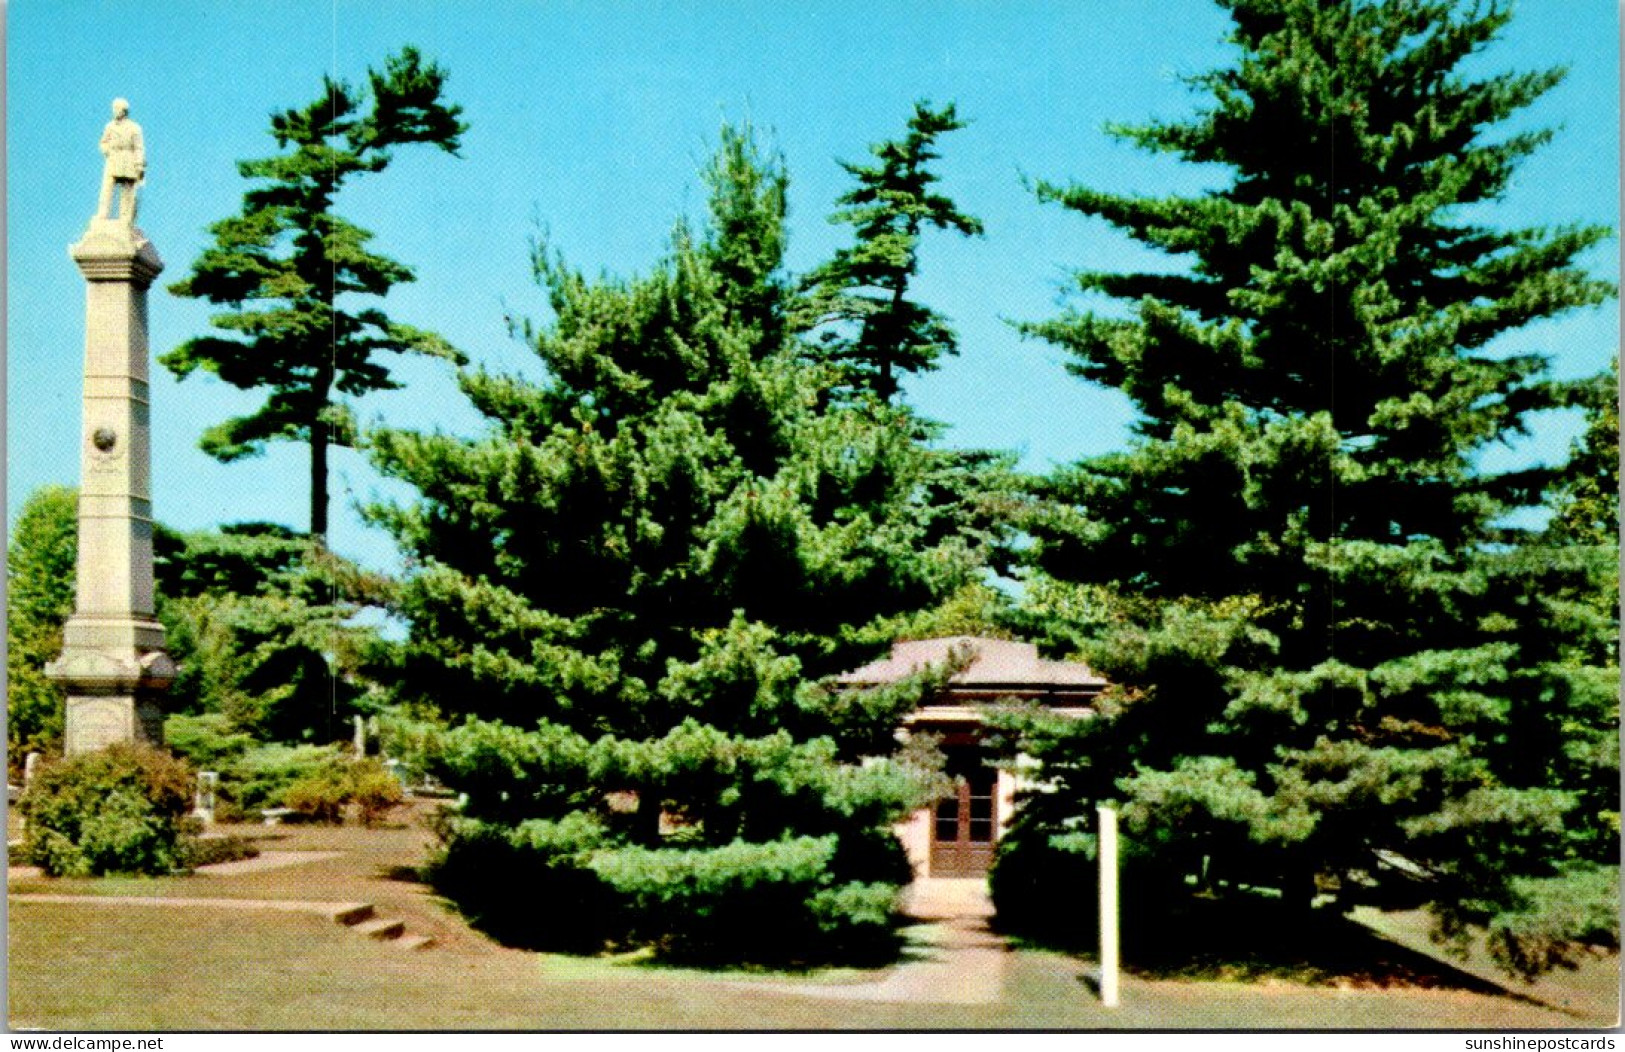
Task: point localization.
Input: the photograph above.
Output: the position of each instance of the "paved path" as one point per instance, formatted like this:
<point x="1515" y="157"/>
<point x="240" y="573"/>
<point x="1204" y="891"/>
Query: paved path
<point x="263" y="861"/>
<point x="951" y="957"/>
<point x="342" y="912"/>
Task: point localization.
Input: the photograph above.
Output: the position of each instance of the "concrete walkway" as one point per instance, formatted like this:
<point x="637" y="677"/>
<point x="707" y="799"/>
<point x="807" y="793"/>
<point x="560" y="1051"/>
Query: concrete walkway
<point x="951" y="957"/>
<point x="341" y="912"/>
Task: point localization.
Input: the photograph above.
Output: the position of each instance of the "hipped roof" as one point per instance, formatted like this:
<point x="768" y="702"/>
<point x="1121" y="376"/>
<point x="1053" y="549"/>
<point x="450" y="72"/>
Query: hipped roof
<point x="995" y="664"/>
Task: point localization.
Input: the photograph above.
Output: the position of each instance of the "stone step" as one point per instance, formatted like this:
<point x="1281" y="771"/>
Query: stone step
<point x="353" y="913"/>
<point x="415" y="942"/>
<point x="381" y="928"/>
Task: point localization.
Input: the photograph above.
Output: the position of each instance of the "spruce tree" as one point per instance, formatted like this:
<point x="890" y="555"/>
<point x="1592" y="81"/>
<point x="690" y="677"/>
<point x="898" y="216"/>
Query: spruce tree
<point x="869" y="327"/>
<point x="296" y="277"/>
<point x="1336" y="669"/>
<point x="623" y="598"/>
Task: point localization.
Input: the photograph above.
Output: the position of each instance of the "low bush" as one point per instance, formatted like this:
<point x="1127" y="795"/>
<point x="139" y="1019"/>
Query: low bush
<point x="208" y="851"/>
<point x="261" y="777"/>
<point x="207" y="740"/>
<point x="117" y="810"/>
<point x="318" y="797"/>
<point x="375" y="790"/>
<point x="324" y="794"/>
<point x="498" y="875"/>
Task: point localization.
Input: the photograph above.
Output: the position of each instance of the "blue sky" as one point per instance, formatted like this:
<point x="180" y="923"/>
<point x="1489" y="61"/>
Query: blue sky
<point x="590" y="120"/>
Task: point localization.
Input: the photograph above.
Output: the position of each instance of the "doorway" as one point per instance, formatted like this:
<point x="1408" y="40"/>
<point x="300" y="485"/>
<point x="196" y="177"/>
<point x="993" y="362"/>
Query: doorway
<point x="962" y="825"/>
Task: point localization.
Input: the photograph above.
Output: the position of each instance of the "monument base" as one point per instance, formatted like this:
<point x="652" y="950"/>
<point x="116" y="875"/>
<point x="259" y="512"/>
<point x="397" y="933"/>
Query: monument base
<point x="99" y="720"/>
<point x="113" y="672"/>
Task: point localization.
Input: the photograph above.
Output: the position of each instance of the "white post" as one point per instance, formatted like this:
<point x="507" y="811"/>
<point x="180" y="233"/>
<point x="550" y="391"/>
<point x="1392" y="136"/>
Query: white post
<point x="1109" y="961"/>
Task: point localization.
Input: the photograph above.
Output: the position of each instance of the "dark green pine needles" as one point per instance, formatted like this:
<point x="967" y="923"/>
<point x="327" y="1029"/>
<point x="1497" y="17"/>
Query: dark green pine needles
<point x="299" y="279"/>
<point x="622" y="596"/>
<point x="1349" y="661"/>
<point x="869" y="328"/>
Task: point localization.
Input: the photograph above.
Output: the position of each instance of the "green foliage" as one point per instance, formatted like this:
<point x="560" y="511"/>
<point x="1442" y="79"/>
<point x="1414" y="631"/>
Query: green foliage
<point x="1557" y="916"/>
<point x="289" y="269"/>
<point x="318" y="797"/>
<point x="869" y="328"/>
<point x="625" y="594"/>
<point x="375" y="791"/>
<point x="196" y="852"/>
<point x="116" y="810"/>
<point x="260" y="777"/>
<point x="40" y="575"/>
<point x="1334" y="643"/>
<point x="1587" y="493"/>
<point x="256" y="617"/>
<point x="206" y="740"/>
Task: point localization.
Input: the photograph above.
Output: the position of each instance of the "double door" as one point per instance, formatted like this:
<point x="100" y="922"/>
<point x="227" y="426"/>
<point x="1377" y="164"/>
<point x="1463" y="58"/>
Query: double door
<point x="962" y="827"/>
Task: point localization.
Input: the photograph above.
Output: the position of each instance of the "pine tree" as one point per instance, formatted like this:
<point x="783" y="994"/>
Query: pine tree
<point x="869" y="326"/>
<point x="290" y="270"/>
<point x="40" y="578"/>
<point x="627" y="592"/>
<point x="1333" y="675"/>
<point x="259" y="622"/>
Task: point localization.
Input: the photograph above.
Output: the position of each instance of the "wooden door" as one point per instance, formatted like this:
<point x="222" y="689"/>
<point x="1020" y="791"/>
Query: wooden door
<point x="962" y="827"/>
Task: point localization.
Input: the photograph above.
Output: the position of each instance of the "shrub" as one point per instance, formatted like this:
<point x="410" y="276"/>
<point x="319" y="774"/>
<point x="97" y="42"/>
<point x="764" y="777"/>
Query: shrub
<point x="209" y="851"/>
<point x="375" y="790"/>
<point x="262" y="776"/>
<point x="759" y="902"/>
<point x="206" y="740"/>
<point x="116" y="810"/>
<point x="318" y="797"/>
<point x="522" y="885"/>
<point x="322" y="795"/>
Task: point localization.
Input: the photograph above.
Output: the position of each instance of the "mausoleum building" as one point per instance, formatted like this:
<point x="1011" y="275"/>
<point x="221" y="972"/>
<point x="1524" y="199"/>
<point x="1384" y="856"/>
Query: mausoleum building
<point x="956" y="837"/>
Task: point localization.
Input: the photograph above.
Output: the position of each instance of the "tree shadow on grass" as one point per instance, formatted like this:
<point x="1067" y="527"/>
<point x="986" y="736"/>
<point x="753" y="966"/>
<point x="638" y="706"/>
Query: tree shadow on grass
<point x="1245" y="937"/>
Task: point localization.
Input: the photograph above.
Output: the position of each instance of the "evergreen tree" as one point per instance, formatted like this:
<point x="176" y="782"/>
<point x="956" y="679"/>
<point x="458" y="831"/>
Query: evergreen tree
<point x="255" y="618"/>
<point x="290" y="270"/>
<point x="1586" y="495"/>
<point x="1335" y="667"/>
<point x="627" y="591"/>
<point x="259" y="622"/>
<point x="869" y="327"/>
<point x="40" y="577"/>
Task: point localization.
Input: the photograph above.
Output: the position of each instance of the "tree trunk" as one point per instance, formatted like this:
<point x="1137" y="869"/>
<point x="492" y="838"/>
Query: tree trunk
<point x="648" y="818"/>
<point x="320" y="440"/>
<point x="318" y="483"/>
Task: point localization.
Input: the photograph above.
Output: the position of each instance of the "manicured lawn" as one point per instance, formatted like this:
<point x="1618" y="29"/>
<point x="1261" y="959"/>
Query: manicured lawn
<point x="157" y="968"/>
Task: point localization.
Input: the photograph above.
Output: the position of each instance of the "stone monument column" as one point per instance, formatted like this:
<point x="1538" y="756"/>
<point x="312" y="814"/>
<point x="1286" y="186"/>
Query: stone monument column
<point x="113" y="664"/>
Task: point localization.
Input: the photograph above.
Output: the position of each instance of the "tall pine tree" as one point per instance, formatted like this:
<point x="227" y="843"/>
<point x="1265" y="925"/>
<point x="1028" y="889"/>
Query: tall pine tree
<point x="290" y="271"/>
<point x="868" y="325"/>
<point x="1334" y="673"/>
<point x="623" y="596"/>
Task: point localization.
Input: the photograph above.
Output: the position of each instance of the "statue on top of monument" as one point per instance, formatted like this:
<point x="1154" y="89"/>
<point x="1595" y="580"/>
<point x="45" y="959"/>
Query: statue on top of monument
<point x="126" y="163"/>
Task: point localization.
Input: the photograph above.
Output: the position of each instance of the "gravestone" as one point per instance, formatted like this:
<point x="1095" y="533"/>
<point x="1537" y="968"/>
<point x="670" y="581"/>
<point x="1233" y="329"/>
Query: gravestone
<point x="113" y="664"/>
<point x="203" y="802"/>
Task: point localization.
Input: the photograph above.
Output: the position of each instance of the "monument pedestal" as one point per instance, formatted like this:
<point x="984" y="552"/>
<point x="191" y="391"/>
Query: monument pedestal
<point x="113" y="664"/>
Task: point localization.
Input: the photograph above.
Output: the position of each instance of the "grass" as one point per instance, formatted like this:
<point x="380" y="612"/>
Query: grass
<point x="87" y="967"/>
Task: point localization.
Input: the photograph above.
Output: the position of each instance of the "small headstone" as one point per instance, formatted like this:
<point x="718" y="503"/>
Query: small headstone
<point x="360" y="739"/>
<point x="204" y="800"/>
<point x="30" y="769"/>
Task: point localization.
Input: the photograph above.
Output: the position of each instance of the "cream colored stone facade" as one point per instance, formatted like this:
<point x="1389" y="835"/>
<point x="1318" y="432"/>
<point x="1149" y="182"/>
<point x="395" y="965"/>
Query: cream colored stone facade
<point x="113" y="664"/>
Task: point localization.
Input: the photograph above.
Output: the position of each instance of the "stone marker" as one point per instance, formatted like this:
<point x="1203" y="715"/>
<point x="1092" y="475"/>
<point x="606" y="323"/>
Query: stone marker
<point x="203" y="801"/>
<point x="30" y="768"/>
<point x="113" y="664"/>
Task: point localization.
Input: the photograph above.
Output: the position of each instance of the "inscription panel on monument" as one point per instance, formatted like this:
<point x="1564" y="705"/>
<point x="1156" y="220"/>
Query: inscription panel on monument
<point x="95" y="723"/>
